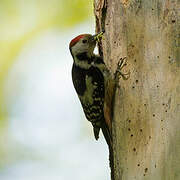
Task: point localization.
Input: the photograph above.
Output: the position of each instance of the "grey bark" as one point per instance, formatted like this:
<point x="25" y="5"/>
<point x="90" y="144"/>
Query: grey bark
<point x="146" y="121"/>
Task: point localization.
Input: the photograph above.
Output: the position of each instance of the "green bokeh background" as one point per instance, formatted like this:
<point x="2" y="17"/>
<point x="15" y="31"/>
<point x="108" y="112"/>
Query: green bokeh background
<point x="22" y="21"/>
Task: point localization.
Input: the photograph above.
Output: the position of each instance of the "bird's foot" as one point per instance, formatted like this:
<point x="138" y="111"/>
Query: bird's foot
<point x="121" y="64"/>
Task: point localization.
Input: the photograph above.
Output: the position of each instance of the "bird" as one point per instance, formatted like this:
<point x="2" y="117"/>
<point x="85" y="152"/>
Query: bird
<point x="89" y="77"/>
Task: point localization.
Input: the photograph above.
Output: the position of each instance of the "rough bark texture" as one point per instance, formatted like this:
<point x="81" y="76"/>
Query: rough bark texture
<point x="146" y="123"/>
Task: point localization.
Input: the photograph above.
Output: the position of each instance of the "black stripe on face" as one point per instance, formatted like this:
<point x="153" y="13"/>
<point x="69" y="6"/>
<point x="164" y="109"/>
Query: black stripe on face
<point x="84" y="57"/>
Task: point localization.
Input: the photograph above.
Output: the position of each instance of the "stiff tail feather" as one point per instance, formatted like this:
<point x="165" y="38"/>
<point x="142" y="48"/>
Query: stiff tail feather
<point x="96" y="130"/>
<point x="107" y="134"/>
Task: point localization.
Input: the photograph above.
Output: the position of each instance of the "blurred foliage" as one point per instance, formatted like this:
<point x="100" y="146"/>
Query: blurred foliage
<point x="22" y="20"/>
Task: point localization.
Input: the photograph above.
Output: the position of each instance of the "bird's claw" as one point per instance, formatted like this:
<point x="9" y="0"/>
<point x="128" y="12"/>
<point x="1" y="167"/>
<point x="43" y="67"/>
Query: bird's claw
<point x="121" y="64"/>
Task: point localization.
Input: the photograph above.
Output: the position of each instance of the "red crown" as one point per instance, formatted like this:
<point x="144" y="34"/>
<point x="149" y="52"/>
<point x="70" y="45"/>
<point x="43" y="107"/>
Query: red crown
<point x="76" y="39"/>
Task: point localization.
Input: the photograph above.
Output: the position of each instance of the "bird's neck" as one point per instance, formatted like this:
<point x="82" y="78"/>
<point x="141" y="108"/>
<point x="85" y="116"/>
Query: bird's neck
<point x="84" y="60"/>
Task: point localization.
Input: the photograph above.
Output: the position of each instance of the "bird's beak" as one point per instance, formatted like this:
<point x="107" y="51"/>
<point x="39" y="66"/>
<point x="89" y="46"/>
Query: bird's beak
<point x="97" y="36"/>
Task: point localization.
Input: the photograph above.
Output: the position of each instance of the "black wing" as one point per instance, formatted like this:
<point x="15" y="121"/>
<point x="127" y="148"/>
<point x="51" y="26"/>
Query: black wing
<point x="89" y="85"/>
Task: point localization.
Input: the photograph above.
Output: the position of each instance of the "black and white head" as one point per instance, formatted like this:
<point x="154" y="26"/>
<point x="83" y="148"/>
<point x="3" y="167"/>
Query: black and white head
<point x="84" y="43"/>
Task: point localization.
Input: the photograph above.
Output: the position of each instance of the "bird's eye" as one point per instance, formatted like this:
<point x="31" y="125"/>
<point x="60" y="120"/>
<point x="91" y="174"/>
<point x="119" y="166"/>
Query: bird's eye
<point x="84" y="41"/>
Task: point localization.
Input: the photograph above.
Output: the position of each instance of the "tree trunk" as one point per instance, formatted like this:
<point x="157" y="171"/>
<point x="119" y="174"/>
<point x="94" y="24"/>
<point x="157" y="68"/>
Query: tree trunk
<point x="146" y="121"/>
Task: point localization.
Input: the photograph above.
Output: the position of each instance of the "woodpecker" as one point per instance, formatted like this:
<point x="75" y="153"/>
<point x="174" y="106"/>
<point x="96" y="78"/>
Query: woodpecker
<point x="89" y="76"/>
